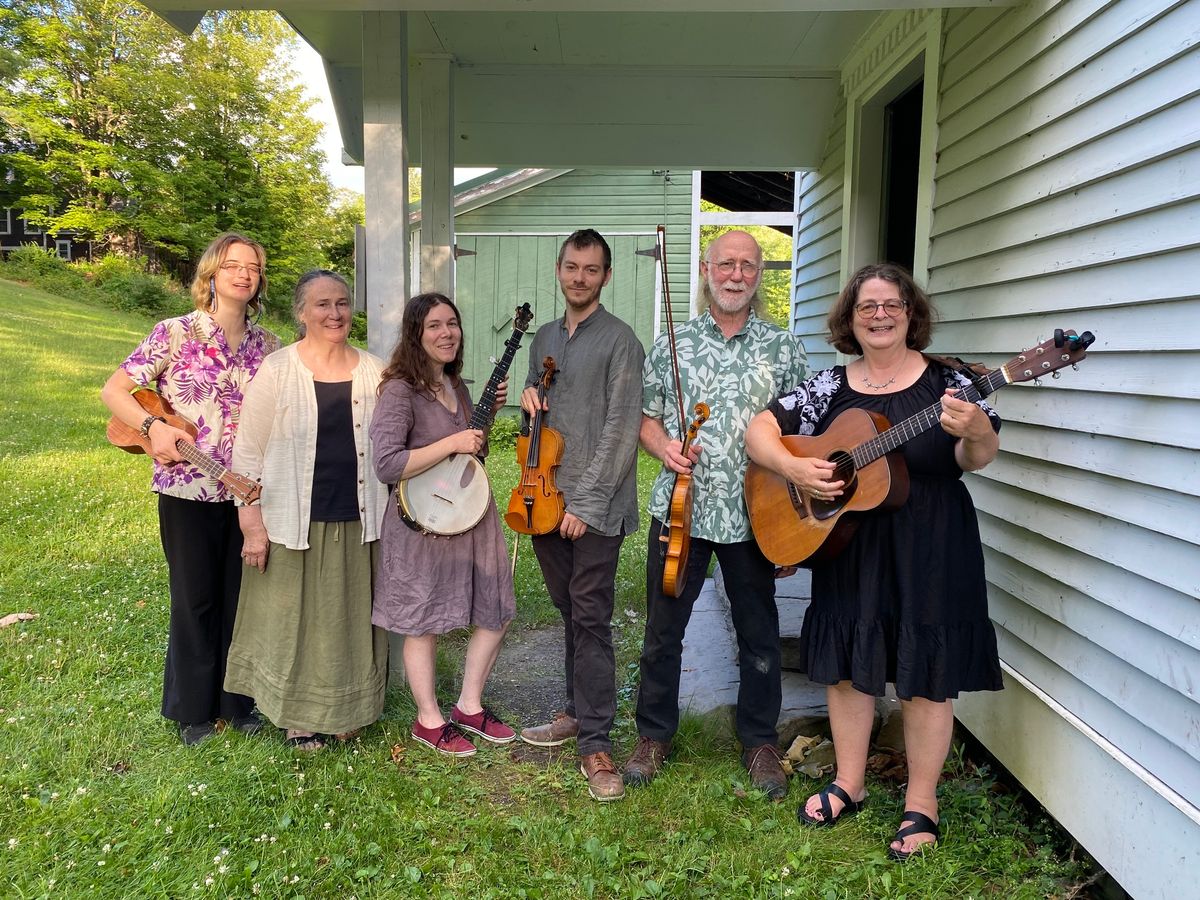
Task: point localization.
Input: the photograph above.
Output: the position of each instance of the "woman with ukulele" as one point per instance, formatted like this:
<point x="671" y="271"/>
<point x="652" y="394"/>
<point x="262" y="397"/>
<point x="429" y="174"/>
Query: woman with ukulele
<point x="905" y="601"/>
<point x="201" y="364"/>
<point x="303" y="645"/>
<point x="430" y="584"/>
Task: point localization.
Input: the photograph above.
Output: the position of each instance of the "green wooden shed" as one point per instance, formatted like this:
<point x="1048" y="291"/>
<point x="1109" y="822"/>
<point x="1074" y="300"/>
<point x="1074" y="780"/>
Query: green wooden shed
<point x="509" y="225"/>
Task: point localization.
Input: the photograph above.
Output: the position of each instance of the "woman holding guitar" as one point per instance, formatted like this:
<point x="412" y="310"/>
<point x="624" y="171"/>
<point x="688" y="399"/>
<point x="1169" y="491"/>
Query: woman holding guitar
<point x="905" y="600"/>
<point x="303" y="645"/>
<point x="429" y="584"/>
<point x="200" y="363"/>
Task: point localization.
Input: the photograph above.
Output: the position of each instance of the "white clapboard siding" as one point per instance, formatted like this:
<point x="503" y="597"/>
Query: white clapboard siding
<point x="816" y="260"/>
<point x="1059" y="664"/>
<point x="1067" y="194"/>
<point x="1161" y="559"/>
<point x="1156" y="606"/>
<point x="1155" y="509"/>
<point x="1154" y="465"/>
<point x="1169" y="180"/>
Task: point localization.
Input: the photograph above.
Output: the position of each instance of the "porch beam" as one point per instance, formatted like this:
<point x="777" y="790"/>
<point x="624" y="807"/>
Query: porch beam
<point x="437" y="173"/>
<point x="385" y="151"/>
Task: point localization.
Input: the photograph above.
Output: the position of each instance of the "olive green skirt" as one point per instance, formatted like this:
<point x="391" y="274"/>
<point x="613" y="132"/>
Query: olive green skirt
<point x="303" y="644"/>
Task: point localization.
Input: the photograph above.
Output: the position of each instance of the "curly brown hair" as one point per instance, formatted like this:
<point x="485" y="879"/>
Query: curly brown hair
<point x="409" y="361"/>
<point x="921" y="313"/>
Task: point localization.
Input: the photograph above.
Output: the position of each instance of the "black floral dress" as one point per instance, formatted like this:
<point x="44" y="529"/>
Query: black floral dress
<point x="906" y="601"/>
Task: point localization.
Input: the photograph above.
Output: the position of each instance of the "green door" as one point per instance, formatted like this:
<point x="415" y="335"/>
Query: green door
<point x="500" y="272"/>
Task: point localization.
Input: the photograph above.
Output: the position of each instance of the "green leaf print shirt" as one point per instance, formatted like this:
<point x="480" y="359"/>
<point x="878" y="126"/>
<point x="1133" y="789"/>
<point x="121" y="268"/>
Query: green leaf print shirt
<point x="737" y="377"/>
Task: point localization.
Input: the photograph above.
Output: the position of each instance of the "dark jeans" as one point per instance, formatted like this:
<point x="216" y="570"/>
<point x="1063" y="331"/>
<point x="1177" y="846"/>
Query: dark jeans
<point x="581" y="578"/>
<point x="203" y="546"/>
<point x="750" y="583"/>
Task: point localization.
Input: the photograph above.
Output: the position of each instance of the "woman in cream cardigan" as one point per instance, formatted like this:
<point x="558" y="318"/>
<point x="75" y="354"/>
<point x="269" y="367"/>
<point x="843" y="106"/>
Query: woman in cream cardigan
<point x="303" y="644"/>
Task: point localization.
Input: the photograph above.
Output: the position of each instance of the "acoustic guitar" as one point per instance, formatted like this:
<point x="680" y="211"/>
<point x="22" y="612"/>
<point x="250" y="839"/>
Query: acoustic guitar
<point x="451" y="497"/>
<point x="793" y="529"/>
<point x="131" y="440"/>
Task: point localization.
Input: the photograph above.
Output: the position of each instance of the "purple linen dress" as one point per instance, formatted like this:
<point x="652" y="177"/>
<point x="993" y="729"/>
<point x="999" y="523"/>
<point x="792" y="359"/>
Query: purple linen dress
<point x="432" y="584"/>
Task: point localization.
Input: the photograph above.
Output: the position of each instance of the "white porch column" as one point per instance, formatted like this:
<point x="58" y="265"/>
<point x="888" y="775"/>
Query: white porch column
<point x="385" y="159"/>
<point x="437" y="174"/>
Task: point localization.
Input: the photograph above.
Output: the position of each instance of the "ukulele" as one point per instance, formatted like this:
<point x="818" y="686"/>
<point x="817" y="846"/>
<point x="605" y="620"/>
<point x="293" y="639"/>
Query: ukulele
<point x="793" y="529"/>
<point x="131" y="440"/>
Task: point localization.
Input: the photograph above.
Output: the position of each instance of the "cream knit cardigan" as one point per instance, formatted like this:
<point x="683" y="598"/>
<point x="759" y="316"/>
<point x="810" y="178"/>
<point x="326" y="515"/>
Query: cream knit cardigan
<point x="277" y="443"/>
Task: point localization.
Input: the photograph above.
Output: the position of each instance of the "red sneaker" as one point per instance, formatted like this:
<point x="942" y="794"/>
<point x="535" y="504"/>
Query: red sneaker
<point x="485" y="724"/>
<point x="447" y="739"/>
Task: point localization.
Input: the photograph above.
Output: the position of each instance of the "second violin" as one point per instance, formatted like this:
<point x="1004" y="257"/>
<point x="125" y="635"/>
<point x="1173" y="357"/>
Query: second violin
<point x="536" y="505"/>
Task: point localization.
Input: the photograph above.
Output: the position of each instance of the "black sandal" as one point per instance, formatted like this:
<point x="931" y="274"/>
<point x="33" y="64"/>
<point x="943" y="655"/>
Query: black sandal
<point x="828" y="820"/>
<point x="919" y="823"/>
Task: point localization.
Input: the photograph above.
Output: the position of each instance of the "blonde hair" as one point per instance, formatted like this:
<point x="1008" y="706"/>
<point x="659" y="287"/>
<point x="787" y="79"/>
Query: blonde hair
<point x="210" y="260"/>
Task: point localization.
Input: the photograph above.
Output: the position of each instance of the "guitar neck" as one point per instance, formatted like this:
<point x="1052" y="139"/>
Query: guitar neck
<point x="481" y="419"/>
<point x="201" y="460"/>
<point x="887" y="441"/>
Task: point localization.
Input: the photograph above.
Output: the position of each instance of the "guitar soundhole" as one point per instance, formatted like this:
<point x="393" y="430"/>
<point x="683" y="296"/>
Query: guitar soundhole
<point x="827" y="509"/>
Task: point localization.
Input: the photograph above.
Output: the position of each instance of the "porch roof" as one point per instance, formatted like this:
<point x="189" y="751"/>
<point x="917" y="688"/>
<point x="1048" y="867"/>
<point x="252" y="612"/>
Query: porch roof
<point x="554" y="83"/>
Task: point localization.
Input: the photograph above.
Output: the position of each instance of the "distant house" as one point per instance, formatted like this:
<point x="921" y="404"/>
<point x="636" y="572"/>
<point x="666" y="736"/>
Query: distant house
<point x="15" y="231"/>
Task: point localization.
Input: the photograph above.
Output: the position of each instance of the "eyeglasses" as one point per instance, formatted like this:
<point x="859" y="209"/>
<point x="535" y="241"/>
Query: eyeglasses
<point x="866" y="309"/>
<point x="726" y="267"/>
<point x="251" y="269"/>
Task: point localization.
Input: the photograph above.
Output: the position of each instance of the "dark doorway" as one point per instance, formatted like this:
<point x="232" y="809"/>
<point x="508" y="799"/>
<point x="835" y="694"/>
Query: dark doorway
<point x="901" y="163"/>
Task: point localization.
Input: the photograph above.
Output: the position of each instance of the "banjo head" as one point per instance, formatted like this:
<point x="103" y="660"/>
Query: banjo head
<point x="449" y="498"/>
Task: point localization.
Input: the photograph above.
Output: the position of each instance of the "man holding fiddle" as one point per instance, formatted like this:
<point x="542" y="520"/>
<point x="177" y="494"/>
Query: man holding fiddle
<point x="595" y="405"/>
<point x="736" y="363"/>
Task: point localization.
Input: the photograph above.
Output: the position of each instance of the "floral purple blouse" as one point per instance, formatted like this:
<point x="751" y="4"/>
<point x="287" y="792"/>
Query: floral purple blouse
<point x="187" y="361"/>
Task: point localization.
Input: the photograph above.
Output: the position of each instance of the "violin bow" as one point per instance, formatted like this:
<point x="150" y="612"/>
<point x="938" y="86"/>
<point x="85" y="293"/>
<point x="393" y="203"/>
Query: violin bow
<point x="661" y="249"/>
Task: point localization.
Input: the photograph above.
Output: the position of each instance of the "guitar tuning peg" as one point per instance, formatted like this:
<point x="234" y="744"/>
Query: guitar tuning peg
<point x="1037" y="382"/>
<point x="493" y="361"/>
<point x="1075" y="366"/>
<point x="1054" y="375"/>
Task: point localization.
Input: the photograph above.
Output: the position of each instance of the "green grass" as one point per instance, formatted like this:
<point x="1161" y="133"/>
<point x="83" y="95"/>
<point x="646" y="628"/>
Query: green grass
<point x="99" y="799"/>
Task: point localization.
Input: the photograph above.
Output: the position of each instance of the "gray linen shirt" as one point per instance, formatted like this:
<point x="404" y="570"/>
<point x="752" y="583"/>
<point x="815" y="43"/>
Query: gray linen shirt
<point x="596" y="403"/>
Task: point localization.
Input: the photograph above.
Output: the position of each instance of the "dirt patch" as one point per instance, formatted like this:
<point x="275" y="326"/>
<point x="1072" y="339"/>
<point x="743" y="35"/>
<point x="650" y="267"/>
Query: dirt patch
<point x="527" y="680"/>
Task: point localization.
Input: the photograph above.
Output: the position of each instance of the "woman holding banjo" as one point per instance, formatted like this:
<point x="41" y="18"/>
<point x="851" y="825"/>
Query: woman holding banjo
<point x="429" y="584"/>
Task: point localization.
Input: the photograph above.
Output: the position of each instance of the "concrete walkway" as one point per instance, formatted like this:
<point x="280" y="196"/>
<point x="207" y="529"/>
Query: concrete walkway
<point x="709" y="681"/>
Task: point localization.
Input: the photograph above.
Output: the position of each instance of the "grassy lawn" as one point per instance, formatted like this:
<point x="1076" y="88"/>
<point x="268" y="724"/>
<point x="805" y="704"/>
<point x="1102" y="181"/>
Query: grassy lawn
<point x="99" y="799"/>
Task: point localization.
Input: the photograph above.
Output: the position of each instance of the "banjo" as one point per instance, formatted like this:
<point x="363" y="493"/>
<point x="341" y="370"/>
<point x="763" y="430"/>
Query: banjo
<point x="452" y="496"/>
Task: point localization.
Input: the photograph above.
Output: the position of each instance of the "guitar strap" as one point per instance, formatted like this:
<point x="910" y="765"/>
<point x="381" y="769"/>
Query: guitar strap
<point x="976" y="373"/>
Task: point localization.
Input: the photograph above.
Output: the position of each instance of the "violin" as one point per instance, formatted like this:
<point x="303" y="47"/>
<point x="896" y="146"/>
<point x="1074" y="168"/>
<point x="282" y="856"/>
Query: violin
<point x="536" y="505"/>
<point x="677" y="529"/>
<point x="679" y="516"/>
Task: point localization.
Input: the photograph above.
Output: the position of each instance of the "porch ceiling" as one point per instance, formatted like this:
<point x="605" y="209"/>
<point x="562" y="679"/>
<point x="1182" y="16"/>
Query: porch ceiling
<point x="625" y="82"/>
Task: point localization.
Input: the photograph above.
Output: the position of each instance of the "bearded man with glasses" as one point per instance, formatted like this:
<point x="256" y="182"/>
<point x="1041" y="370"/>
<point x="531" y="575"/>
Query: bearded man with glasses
<point x="736" y="362"/>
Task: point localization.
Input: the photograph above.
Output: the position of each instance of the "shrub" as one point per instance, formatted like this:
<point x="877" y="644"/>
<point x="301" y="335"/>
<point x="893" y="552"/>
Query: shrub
<point x="45" y="269"/>
<point x="130" y="287"/>
<point x="503" y="435"/>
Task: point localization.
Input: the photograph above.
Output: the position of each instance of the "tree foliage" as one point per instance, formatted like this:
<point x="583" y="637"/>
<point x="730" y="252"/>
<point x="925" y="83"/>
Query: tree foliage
<point x="143" y="140"/>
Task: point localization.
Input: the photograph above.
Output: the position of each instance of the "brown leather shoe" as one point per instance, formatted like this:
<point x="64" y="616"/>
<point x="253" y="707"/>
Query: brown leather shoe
<point x="648" y="757"/>
<point x="559" y="730"/>
<point x="766" y="773"/>
<point x="604" y="781"/>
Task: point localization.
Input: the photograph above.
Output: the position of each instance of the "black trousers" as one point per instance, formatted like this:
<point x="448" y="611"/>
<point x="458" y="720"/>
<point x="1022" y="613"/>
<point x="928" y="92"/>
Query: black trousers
<point x="750" y="583"/>
<point x="203" y="546"/>
<point x="581" y="578"/>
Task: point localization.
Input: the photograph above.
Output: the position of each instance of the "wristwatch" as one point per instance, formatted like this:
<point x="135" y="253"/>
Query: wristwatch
<point x="144" y="431"/>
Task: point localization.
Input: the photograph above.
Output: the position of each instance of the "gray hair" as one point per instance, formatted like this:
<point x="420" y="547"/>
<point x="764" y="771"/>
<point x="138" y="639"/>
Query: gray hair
<point x="299" y="299"/>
